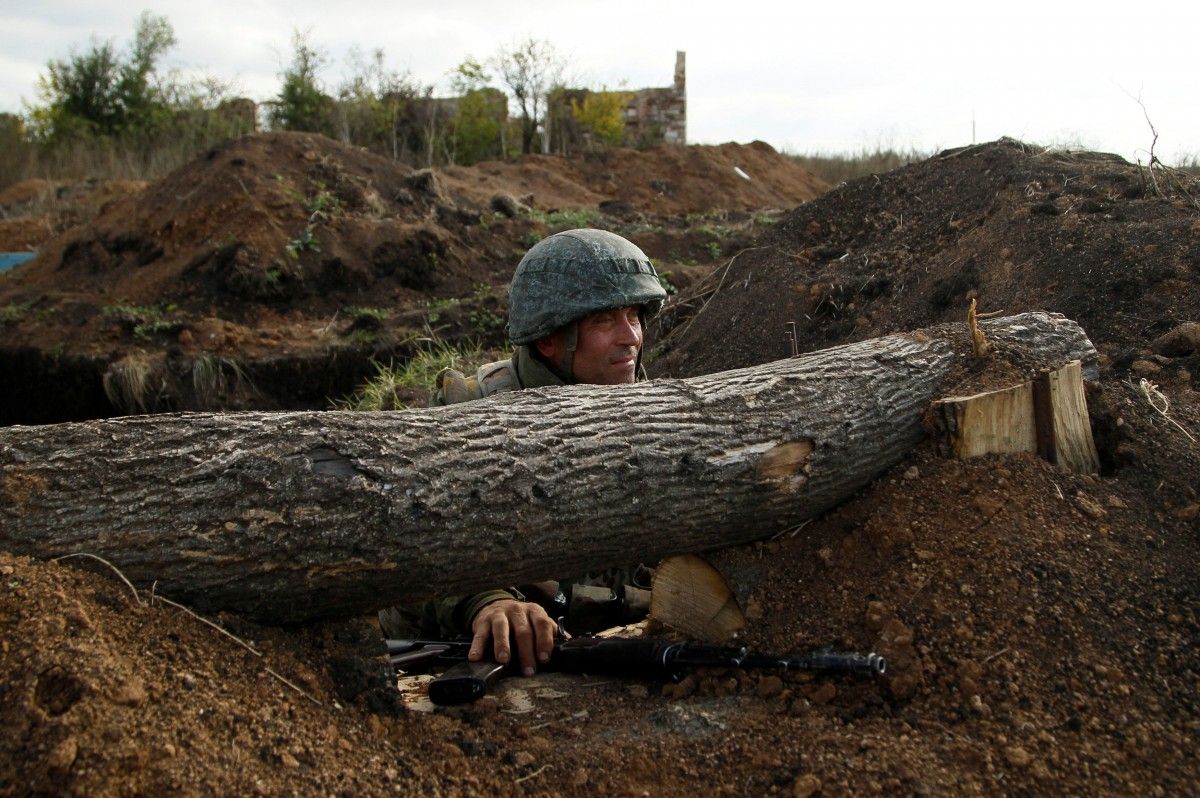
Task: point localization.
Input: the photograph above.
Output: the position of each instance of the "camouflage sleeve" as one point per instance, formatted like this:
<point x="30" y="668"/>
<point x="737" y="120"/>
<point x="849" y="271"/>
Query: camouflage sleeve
<point x="452" y="387"/>
<point x="443" y="618"/>
<point x="467" y="608"/>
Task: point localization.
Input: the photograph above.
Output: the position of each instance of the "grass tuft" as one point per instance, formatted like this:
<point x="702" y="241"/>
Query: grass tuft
<point x="400" y="388"/>
<point x="215" y="379"/>
<point x="135" y="383"/>
<point x="565" y="219"/>
<point x="143" y="321"/>
<point x="357" y="312"/>
<point x="13" y="312"/>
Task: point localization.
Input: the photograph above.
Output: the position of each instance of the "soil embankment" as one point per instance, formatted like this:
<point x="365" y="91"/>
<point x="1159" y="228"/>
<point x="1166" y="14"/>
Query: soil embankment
<point x="283" y="265"/>
<point x="1040" y="626"/>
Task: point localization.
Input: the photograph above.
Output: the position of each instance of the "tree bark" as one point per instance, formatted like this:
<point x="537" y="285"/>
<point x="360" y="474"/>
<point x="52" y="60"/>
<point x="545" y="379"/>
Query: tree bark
<point x="292" y="516"/>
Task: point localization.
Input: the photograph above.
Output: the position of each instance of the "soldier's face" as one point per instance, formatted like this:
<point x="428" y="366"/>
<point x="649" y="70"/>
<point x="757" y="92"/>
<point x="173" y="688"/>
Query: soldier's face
<point x="606" y="349"/>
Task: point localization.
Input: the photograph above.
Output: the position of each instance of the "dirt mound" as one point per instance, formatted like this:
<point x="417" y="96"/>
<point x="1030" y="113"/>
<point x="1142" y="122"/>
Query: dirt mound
<point x="122" y="697"/>
<point x="1040" y="630"/>
<point x="34" y="211"/>
<point x="295" y="262"/>
<point x="1080" y="234"/>
<point x="298" y="220"/>
<point x="281" y="217"/>
<point x="664" y="181"/>
<point x="1040" y="626"/>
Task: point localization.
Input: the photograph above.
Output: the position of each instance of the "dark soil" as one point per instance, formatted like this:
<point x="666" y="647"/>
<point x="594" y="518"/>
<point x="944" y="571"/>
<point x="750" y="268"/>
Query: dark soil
<point x="1040" y="626"/>
<point x="1077" y="233"/>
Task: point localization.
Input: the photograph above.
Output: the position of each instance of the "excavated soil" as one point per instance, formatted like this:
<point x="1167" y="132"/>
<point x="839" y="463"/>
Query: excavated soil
<point x="665" y="181"/>
<point x="294" y="263"/>
<point x="34" y="211"/>
<point x="1082" y="234"/>
<point x="1040" y="626"/>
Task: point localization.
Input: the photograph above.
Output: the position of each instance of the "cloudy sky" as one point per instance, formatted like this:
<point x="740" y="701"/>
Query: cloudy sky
<point x="808" y="77"/>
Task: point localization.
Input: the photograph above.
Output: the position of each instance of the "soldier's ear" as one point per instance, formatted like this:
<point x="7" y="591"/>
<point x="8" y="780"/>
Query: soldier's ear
<point x="550" y="347"/>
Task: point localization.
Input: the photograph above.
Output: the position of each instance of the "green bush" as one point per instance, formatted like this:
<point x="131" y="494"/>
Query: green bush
<point x="104" y="92"/>
<point x="302" y="103"/>
<point x="601" y="115"/>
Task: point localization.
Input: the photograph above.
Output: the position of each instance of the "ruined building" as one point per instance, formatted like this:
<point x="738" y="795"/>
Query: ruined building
<point x="649" y="116"/>
<point x="659" y="115"/>
<point x="427" y="130"/>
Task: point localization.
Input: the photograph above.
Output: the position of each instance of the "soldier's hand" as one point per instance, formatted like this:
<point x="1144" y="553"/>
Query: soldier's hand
<point x="526" y="623"/>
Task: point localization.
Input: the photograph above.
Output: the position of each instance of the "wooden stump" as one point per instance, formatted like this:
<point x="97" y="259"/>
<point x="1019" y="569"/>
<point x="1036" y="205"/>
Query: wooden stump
<point x="1047" y="415"/>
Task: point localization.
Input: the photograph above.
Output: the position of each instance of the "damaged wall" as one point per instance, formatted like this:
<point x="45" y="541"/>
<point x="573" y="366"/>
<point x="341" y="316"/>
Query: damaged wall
<point x="659" y="115"/>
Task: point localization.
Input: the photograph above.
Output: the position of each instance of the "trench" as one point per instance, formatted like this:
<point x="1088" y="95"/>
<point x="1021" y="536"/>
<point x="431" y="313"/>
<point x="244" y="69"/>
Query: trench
<point x="44" y="387"/>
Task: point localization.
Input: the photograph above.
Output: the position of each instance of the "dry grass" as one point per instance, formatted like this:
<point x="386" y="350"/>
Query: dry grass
<point x="103" y="159"/>
<point x="135" y="383"/>
<point x="396" y="388"/>
<point x="216" y="379"/>
<point x="840" y="167"/>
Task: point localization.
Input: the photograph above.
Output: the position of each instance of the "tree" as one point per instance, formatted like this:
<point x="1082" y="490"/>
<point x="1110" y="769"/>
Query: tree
<point x="371" y="101"/>
<point x="144" y="101"/>
<point x="480" y="116"/>
<point x="601" y="116"/>
<point x="290" y="516"/>
<point x="301" y="103"/>
<point x="529" y="69"/>
<point x="103" y="92"/>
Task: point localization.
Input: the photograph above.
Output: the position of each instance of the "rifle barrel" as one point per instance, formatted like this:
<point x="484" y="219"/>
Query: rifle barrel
<point x="648" y="657"/>
<point x="823" y="662"/>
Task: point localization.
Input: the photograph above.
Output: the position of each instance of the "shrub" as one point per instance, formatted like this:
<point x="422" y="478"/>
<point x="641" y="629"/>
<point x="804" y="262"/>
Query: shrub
<point x="601" y="116"/>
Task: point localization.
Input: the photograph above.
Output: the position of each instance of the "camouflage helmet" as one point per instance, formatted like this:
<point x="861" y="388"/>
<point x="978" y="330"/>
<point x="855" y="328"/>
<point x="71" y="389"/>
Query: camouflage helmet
<point x="572" y="274"/>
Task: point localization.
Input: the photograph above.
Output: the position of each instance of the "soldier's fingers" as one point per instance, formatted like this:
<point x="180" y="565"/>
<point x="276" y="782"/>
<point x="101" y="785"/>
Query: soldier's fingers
<point x="500" y="636"/>
<point x="481" y="630"/>
<point x="545" y="629"/>
<point x="523" y="636"/>
<point x="477" y="645"/>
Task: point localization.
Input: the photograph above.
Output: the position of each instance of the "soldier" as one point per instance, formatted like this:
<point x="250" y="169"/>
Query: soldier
<point x="577" y="306"/>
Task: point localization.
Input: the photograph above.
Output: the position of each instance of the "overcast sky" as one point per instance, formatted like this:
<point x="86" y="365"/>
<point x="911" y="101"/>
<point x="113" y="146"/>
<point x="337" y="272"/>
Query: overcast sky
<point x="829" y="77"/>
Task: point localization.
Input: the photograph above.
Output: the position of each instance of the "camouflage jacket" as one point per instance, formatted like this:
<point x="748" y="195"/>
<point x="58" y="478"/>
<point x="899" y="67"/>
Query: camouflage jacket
<point x="589" y="603"/>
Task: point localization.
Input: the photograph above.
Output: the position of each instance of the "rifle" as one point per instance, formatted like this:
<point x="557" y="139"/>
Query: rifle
<point x="645" y="658"/>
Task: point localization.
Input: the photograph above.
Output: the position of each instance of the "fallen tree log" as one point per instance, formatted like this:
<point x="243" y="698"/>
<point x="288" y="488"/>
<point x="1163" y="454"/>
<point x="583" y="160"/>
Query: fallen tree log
<point x="291" y="516"/>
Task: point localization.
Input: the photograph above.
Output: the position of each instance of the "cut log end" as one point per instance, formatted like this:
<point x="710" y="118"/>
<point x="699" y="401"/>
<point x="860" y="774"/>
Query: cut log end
<point x="1047" y="416"/>
<point x="690" y="596"/>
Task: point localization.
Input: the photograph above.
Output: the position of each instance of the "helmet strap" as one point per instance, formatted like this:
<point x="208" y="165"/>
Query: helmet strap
<point x="637" y="366"/>
<point x="570" y="342"/>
